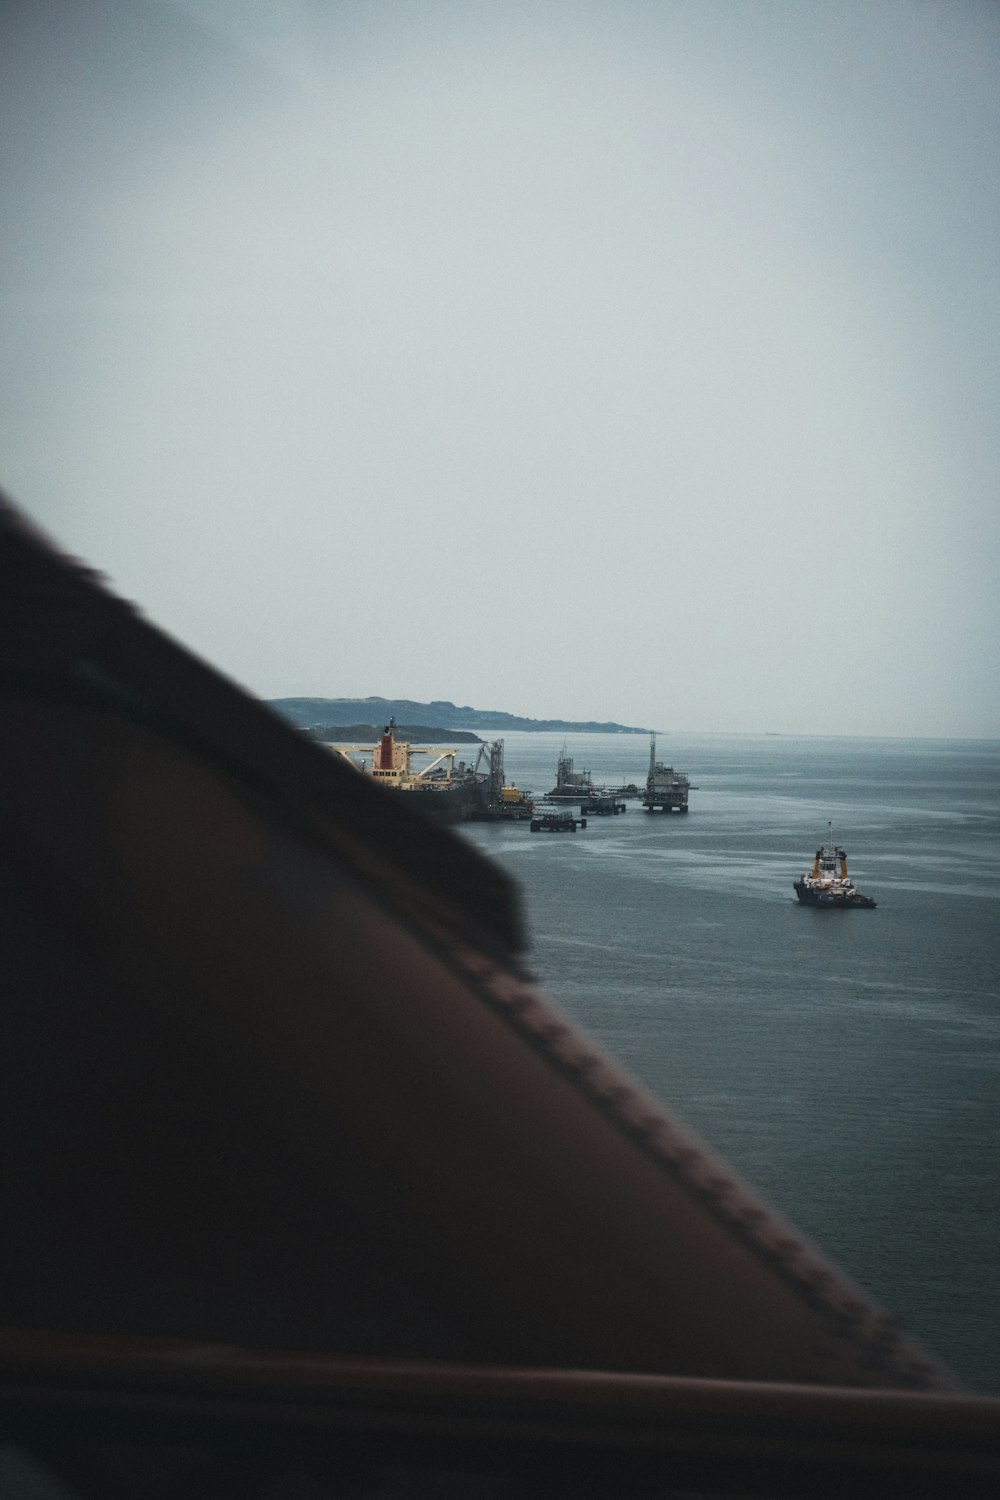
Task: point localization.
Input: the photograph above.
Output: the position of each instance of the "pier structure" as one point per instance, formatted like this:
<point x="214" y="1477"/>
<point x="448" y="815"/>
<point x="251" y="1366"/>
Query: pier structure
<point x="555" y="820"/>
<point x="502" y="803"/>
<point x="602" y="805"/>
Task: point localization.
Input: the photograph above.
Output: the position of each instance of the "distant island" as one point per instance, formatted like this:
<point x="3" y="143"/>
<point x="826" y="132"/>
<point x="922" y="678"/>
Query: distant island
<point x="348" y="714"/>
<point x="368" y="734"/>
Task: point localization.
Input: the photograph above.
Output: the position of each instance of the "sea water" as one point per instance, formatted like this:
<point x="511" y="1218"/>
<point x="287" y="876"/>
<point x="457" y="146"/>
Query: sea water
<point x="847" y="1063"/>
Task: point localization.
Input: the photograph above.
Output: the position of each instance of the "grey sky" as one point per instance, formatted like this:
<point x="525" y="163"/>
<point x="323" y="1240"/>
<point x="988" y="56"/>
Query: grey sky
<point x="625" y="360"/>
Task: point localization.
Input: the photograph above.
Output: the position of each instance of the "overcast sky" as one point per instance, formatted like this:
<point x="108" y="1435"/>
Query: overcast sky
<point x="625" y="360"/>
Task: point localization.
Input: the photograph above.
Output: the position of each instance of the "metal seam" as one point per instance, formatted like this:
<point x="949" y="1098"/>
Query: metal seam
<point x="876" y="1337"/>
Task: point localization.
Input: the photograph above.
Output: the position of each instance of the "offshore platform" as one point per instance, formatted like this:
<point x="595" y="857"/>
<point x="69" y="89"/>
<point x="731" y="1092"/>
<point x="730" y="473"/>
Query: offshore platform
<point x="666" y="789"/>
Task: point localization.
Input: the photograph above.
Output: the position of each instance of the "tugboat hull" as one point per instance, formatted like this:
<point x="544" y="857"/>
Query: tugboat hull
<point x="811" y="897"/>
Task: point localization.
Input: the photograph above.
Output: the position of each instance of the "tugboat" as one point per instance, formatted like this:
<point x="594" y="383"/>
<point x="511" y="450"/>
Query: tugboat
<point x="827" y="884"/>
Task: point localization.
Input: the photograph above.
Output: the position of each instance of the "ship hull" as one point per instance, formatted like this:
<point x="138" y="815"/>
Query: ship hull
<point x="453" y="804"/>
<point x="836" y="900"/>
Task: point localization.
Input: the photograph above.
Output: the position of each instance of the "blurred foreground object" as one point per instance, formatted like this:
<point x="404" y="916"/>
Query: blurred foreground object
<point x="301" y="1173"/>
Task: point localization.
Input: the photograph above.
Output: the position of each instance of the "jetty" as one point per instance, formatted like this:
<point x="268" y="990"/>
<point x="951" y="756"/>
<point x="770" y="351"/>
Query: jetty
<point x="555" y="820"/>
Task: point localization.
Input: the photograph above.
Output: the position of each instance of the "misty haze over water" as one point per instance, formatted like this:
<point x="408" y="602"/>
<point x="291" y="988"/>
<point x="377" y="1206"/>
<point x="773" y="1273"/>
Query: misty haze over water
<point x="628" y="361"/>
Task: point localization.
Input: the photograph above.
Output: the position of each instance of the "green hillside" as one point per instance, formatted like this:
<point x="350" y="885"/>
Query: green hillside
<point x="310" y="713"/>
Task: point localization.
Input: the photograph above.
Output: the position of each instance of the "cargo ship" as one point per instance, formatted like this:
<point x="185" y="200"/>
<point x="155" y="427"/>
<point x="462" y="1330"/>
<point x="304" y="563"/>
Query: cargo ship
<point x="447" y="793"/>
<point x="827" y="883"/>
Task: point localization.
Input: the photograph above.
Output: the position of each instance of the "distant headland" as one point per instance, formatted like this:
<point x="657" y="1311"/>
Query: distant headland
<point x="345" y="715"/>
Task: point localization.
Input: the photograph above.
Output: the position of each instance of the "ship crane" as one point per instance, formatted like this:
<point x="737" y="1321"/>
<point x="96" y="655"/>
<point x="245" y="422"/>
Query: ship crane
<point x="392" y="759"/>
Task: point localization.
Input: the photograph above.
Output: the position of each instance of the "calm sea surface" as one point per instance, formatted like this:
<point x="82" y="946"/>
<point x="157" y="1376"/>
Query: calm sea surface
<point x="846" y="1063"/>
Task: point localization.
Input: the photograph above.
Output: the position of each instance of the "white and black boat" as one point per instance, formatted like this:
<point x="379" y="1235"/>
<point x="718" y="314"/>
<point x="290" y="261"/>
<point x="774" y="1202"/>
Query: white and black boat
<point x="827" y="883"/>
